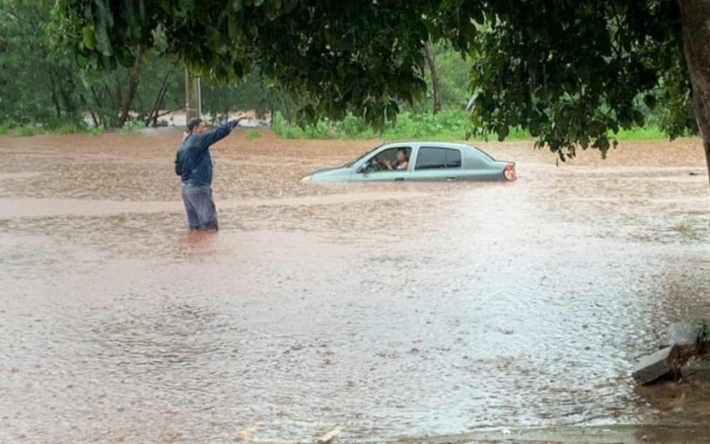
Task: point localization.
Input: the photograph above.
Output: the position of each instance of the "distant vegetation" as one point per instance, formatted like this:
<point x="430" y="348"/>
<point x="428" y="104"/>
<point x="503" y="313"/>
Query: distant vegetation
<point x="447" y="125"/>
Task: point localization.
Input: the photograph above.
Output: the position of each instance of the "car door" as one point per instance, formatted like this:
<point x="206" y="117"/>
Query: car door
<point x="437" y="163"/>
<point x="363" y="174"/>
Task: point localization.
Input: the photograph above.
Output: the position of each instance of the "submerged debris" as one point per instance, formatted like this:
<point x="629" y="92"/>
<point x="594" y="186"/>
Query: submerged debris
<point x="682" y="356"/>
<point x="655" y="366"/>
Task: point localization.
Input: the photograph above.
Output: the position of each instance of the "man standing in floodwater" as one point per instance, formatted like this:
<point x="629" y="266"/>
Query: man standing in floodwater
<point x="193" y="164"/>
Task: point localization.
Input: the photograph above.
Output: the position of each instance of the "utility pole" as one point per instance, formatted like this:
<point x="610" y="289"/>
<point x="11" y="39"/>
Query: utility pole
<point x="193" y="99"/>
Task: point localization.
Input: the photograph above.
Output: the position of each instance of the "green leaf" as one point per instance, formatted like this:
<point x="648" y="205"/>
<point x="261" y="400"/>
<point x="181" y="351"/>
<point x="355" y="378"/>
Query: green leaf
<point x="237" y="5"/>
<point x="253" y="29"/>
<point x="88" y="37"/>
<point x="187" y="5"/>
<point x="232" y="29"/>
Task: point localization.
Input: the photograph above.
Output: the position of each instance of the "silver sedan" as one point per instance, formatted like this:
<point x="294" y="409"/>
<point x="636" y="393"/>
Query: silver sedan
<point x="430" y="161"/>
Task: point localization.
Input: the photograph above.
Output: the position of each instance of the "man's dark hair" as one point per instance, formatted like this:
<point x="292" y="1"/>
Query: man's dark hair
<point x="192" y="123"/>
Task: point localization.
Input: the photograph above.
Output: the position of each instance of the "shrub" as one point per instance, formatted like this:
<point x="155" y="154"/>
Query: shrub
<point x="282" y="128"/>
<point x="253" y="134"/>
<point x="28" y="131"/>
<point x="95" y="130"/>
<point x="449" y="124"/>
<point x="703" y="331"/>
<point x="322" y="130"/>
<point x="353" y="128"/>
<point x="66" y="128"/>
<point x="134" y="126"/>
<point x="4" y="127"/>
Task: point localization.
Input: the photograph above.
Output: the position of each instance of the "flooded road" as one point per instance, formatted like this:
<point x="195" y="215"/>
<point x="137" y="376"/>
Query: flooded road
<point x="379" y="310"/>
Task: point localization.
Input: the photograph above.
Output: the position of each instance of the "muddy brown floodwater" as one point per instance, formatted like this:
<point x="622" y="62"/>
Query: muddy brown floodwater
<point x="384" y="309"/>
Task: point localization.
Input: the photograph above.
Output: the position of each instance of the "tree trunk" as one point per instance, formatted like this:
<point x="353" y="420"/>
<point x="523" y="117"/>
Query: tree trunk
<point x="119" y="95"/>
<point x="134" y="77"/>
<point x="434" y="78"/>
<point x="695" y="16"/>
<point x="193" y="107"/>
<point x="68" y="102"/>
<point x="57" y="107"/>
<point x="86" y="106"/>
<point x="111" y="100"/>
<point x="155" y="111"/>
<point x="287" y="109"/>
<point x="96" y="98"/>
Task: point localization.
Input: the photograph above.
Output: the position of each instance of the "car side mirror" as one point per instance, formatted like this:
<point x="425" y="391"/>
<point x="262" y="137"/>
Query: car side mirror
<point x="362" y="168"/>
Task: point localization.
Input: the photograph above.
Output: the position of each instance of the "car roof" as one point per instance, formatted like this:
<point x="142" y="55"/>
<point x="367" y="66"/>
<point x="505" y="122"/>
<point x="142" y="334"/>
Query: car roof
<point x="429" y="143"/>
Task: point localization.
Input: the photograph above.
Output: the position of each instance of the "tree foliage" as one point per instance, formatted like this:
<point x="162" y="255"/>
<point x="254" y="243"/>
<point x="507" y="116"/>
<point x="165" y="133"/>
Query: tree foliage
<point x="357" y="56"/>
<point x="453" y="71"/>
<point x="218" y="100"/>
<point x="25" y="67"/>
<point x="569" y="71"/>
<point x="42" y="83"/>
<point x="572" y="71"/>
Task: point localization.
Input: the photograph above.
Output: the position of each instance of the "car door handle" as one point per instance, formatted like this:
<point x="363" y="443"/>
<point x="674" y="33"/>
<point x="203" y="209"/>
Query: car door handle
<point x="399" y="179"/>
<point x="451" y="178"/>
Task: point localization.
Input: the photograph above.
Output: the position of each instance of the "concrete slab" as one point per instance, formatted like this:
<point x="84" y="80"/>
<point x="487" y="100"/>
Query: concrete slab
<point x="655" y="366"/>
<point x="685" y="335"/>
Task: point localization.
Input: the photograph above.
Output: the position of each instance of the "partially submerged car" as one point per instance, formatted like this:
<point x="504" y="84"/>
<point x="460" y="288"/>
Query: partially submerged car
<point x="421" y="161"/>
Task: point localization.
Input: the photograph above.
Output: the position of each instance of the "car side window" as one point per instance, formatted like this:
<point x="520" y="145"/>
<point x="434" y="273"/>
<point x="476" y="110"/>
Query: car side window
<point x="438" y="159"/>
<point x="388" y="160"/>
<point x="453" y="159"/>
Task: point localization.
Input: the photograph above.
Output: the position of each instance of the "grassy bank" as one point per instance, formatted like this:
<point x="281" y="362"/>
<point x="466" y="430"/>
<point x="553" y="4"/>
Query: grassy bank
<point x="448" y="125"/>
<point x="646" y="133"/>
<point x="63" y="128"/>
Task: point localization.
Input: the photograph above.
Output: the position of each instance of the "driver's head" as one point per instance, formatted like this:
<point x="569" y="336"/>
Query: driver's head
<point x="402" y="155"/>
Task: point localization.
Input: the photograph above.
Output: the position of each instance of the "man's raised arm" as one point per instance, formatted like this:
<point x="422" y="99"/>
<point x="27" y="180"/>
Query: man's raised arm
<point x="219" y="133"/>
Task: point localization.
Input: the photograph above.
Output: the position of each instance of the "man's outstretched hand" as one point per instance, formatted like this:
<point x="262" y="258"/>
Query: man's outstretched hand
<point x="239" y="118"/>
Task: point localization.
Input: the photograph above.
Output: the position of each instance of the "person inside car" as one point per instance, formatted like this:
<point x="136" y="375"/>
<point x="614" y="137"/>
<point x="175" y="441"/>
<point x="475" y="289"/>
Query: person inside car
<point x="401" y="163"/>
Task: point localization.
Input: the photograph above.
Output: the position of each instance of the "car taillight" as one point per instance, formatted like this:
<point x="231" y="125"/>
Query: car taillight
<point x="509" y="172"/>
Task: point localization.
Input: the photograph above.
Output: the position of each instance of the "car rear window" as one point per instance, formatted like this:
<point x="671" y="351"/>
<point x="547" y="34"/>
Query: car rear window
<point x="481" y="152"/>
<point x="438" y="158"/>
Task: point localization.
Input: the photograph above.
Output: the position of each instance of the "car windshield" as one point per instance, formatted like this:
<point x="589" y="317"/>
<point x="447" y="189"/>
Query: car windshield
<point x="351" y="163"/>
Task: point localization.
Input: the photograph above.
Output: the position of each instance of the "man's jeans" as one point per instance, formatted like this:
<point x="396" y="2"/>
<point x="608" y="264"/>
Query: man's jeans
<point x="201" y="212"/>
